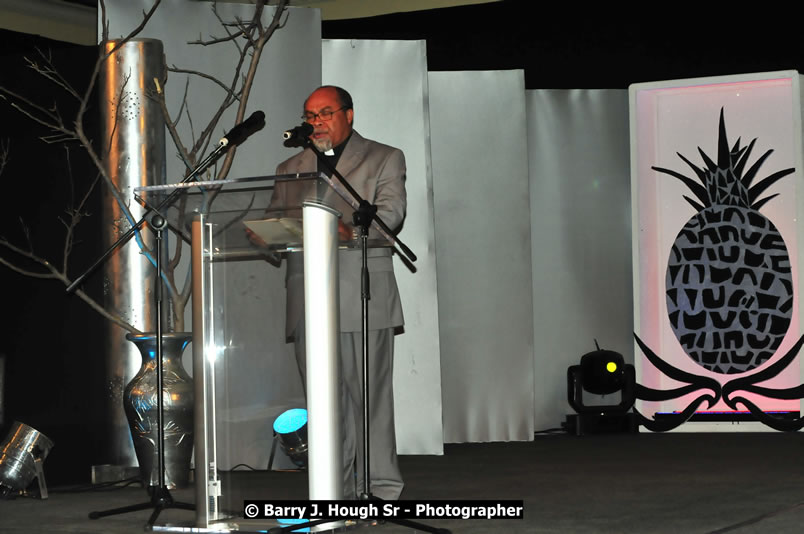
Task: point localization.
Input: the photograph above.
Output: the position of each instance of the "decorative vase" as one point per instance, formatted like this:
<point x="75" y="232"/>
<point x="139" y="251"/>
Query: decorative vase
<point x="140" y="404"/>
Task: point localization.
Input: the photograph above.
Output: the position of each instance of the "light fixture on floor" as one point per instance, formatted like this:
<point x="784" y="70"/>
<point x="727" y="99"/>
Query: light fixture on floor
<point x="21" y="457"/>
<point x="601" y="372"/>
<point x="290" y="430"/>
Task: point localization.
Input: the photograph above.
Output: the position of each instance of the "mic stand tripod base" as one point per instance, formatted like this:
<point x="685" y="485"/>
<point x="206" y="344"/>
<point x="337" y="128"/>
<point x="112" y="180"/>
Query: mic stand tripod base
<point x="160" y="500"/>
<point x="407" y="523"/>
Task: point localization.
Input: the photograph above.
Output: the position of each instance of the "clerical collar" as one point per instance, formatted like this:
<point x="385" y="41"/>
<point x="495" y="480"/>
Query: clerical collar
<point x="333" y="155"/>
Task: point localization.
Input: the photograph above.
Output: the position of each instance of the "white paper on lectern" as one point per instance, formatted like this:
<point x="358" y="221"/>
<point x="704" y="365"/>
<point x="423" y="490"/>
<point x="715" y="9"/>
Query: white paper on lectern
<point x="277" y="231"/>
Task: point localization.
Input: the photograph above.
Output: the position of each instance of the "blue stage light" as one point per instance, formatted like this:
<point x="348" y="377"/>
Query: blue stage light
<point x="290" y="429"/>
<point x="290" y="421"/>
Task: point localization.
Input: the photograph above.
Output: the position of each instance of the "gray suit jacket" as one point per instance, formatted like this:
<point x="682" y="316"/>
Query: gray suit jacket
<point x="377" y="173"/>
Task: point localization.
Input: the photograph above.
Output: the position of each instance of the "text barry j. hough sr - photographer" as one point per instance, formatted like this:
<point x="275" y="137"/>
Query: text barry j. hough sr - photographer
<point x="384" y="510"/>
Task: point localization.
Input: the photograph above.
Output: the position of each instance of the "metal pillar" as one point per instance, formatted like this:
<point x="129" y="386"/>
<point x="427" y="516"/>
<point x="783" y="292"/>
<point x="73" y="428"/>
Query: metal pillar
<point x="133" y="150"/>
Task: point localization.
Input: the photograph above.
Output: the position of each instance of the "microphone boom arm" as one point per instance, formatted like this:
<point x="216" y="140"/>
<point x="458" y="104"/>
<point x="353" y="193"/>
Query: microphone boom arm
<point x="167" y="201"/>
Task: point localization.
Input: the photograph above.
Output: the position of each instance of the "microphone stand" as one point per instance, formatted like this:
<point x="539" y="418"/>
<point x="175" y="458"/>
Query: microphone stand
<point x="160" y="495"/>
<point x="365" y="214"/>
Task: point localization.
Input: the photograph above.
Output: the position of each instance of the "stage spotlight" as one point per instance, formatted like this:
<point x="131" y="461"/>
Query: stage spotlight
<point x="21" y="457"/>
<point x="601" y="372"/>
<point x="290" y="429"/>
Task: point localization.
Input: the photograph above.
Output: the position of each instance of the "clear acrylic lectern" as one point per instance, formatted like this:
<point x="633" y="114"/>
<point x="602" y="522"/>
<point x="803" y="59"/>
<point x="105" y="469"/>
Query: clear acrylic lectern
<point x="214" y="217"/>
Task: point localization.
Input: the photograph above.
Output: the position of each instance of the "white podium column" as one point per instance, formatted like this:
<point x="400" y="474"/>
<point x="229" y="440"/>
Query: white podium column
<point x="322" y="330"/>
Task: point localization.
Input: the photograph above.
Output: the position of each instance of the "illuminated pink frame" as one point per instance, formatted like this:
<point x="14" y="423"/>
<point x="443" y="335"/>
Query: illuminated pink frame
<point x="678" y="117"/>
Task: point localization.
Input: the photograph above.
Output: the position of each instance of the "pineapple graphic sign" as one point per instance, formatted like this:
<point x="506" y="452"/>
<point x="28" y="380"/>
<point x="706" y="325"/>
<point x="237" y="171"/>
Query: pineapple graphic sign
<point x="728" y="288"/>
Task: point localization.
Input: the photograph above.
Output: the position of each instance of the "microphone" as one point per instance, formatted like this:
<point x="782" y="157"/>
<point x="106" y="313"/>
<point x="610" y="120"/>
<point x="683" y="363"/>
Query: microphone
<point x="299" y="133"/>
<point x="242" y="131"/>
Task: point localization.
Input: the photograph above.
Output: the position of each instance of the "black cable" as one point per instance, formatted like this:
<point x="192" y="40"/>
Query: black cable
<point x="235" y="468"/>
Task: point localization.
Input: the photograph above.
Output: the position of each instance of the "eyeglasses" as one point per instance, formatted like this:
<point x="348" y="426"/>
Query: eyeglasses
<point x="325" y="115"/>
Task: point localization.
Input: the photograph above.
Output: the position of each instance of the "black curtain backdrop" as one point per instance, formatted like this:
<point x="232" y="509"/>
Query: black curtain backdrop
<point x="53" y="356"/>
<point x="578" y="45"/>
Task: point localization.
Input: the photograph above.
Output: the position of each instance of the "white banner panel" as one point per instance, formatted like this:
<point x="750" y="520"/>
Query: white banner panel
<point x="482" y="221"/>
<point x="581" y="236"/>
<point x="388" y="82"/>
<point x="263" y="380"/>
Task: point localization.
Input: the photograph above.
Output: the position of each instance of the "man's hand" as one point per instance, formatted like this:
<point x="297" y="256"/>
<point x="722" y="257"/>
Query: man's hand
<point x="255" y="239"/>
<point x="345" y="233"/>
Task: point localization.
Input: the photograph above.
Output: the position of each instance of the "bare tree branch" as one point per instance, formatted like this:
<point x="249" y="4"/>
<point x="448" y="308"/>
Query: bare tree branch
<point x="48" y="118"/>
<point x="117" y="105"/>
<point x="183" y="100"/>
<point x="249" y="37"/>
<point x="75" y="216"/>
<point x="52" y="273"/>
<point x="264" y="35"/>
<point x="20" y="270"/>
<point x="159" y="96"/>
<point x="79" y="119"/>
<point x="104" y="22"/>
<point x="48" y="71"/>
<point x="213" y="79"/>
<point x="5" y="151"/>
<point x="230" y="37"/>
<point x="225" y="27"/>
<point x="51" y="119"/>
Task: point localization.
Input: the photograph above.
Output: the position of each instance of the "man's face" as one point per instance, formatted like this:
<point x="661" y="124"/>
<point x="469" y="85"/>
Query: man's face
<point x="331" y="133"/>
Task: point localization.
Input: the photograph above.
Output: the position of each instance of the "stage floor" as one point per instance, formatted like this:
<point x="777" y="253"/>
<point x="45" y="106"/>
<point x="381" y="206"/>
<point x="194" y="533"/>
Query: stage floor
<point x="641" y="483"/>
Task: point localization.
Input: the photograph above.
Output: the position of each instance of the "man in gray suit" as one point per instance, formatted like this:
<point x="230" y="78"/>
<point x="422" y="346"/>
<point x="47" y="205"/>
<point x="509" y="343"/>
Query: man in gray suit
<point x="377" y="173"/>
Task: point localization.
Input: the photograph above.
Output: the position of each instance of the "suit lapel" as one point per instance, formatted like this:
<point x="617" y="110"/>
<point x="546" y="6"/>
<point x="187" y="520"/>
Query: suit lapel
<point x="352" y="154"/>
<point x="308" y="162"/>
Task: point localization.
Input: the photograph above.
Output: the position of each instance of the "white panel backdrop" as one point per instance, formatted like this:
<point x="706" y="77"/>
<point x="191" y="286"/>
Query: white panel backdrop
<point x="482" y="221"/>
<point x="580" y="200"/>
<point x="265" y="381"/>
<point x="388" y="82"/>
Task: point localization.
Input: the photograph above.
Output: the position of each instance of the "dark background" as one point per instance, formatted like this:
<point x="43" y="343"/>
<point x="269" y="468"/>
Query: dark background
<point x="575" y="45"/>
<point x="53" y="358"/>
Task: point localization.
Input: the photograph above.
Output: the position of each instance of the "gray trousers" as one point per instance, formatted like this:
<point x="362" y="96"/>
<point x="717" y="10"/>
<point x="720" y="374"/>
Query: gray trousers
<point x="386" y="480"/>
